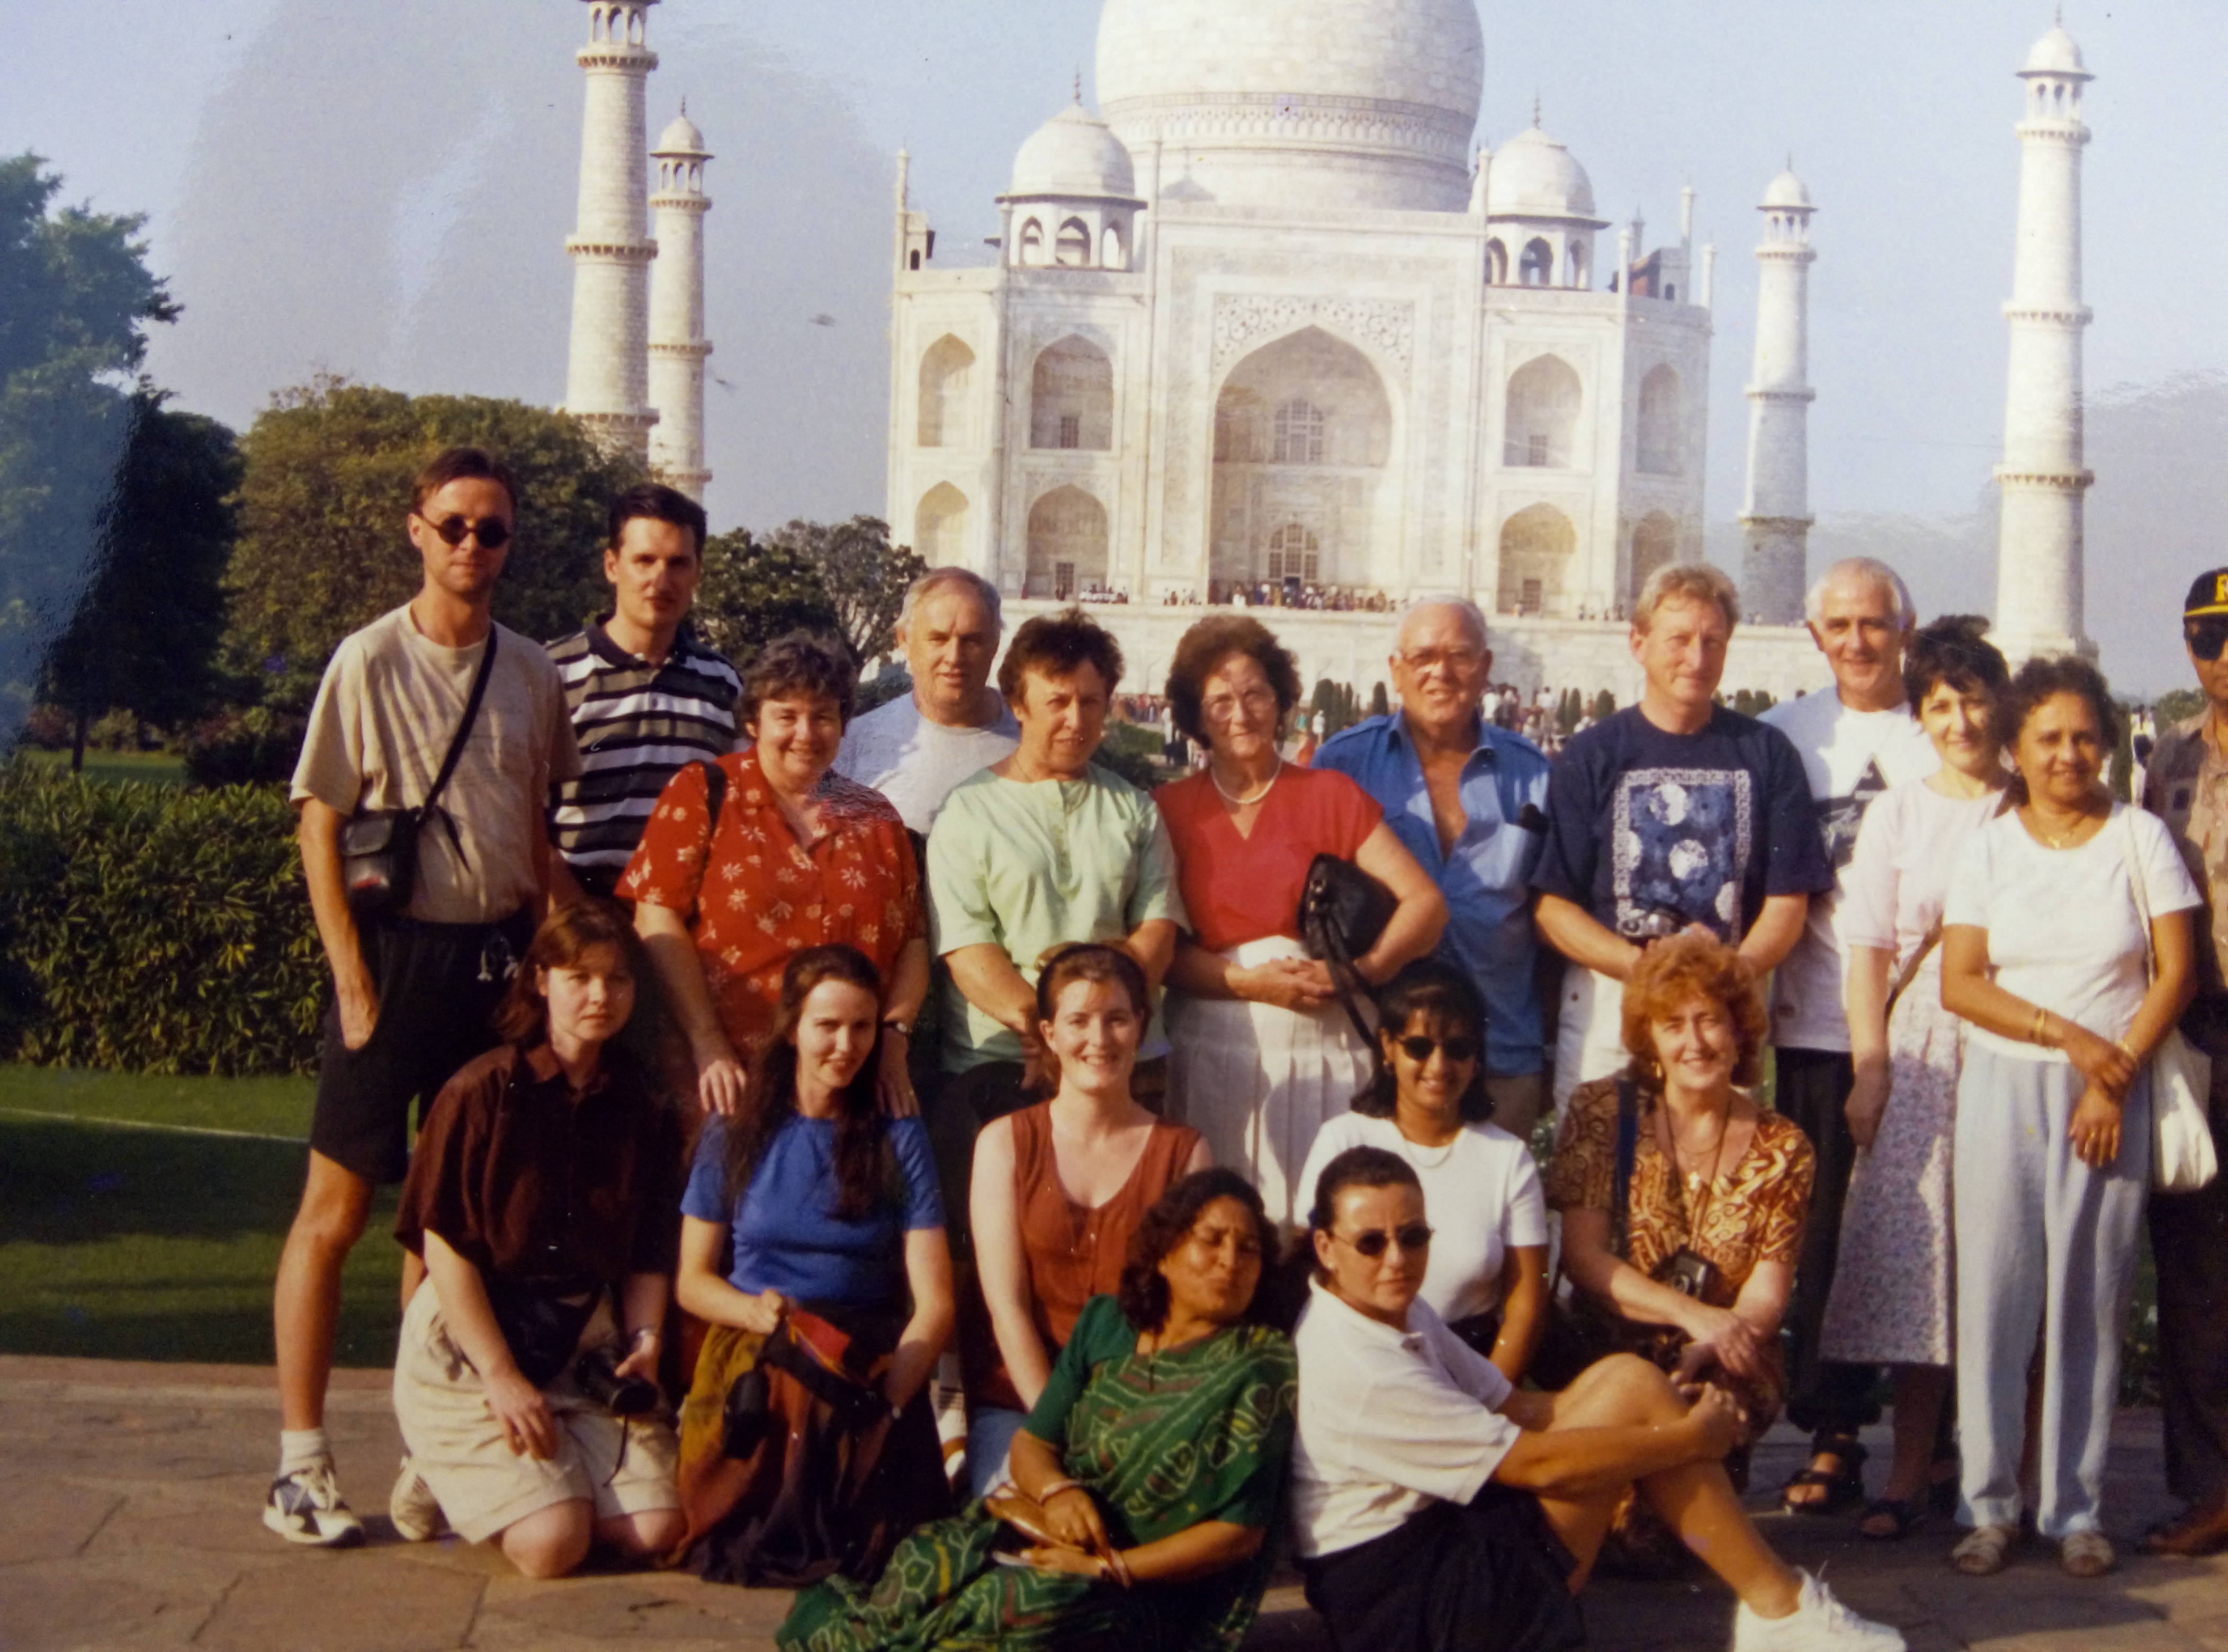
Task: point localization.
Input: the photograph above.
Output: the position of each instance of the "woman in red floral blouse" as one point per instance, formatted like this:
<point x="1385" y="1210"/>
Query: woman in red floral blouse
<point x="799" y="857"/>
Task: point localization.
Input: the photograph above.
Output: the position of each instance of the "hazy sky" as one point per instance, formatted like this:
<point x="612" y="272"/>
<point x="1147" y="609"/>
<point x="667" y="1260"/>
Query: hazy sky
<point x="382" y="190"/>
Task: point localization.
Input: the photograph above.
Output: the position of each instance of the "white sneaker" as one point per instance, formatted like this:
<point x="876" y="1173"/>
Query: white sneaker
<point x="415" y="1511"/>
<point x="1818" y="1624"/>
<point x="305" y="1507"/>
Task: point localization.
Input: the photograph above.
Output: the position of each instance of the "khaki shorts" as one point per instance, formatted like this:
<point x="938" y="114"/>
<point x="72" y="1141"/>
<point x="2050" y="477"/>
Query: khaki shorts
<point x="623" y="1465"/>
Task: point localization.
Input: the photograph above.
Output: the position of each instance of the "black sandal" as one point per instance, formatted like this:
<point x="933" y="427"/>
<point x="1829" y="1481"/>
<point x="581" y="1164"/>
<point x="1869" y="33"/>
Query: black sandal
<point x="1844" y="1486"/>
<point x="1907" y="1514"/>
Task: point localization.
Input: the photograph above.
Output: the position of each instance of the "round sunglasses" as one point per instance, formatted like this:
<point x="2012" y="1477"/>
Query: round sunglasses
<point x="1417" y="1047"/>
<point x="492" y="532"/>
<point x="1374" y="1241"/>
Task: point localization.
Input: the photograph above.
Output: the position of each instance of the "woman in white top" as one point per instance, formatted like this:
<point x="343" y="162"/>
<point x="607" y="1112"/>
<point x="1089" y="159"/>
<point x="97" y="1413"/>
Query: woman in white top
<point x="1488" y="1273"/>
<point x="2044" y="952"/>
<point x="1893" y="1291"/>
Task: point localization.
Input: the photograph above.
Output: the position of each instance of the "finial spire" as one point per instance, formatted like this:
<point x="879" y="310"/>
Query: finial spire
<point x="1535" y="110"/>
<point x="1078" y="85"/>
<point x="684" y="105"/>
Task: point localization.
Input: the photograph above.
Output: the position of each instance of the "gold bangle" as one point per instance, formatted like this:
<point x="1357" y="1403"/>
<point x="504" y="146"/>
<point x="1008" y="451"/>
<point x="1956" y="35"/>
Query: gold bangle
<point x="2037" y="1035"/>
<point x="2128" y="1050"/>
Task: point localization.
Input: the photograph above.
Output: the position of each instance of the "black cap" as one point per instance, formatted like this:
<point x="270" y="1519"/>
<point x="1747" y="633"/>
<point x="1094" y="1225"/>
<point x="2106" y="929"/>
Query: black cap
<point x="2208" y="595"/>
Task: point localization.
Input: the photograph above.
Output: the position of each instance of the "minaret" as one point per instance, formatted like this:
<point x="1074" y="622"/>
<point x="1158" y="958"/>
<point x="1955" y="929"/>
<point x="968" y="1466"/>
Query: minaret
<point x="1775" y="517"/>
<point x="2039" y="550"/>
<point x="677" y="344"/>
<point x="606" y="378"/>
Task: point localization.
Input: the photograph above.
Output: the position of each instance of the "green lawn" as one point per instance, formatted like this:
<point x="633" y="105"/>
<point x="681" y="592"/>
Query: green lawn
<point x="164" y="768"/>
<point x="119" y="1242"/>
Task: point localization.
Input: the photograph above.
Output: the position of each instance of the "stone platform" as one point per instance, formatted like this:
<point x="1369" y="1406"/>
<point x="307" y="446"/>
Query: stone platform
<point x="128" y="1499"/>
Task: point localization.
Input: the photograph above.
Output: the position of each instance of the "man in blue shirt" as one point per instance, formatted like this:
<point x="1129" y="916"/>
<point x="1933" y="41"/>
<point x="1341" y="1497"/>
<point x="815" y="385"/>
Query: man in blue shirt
<point x="1466" y="800"/>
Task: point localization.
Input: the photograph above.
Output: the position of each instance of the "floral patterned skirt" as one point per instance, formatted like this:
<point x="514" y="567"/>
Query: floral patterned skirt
<point x="1895" y="1286"/>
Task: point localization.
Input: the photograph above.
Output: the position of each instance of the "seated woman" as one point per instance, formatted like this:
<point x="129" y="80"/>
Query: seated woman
<point x="1689" y="1262"/>
<point x="1148" y="1473"/>
<point x="807" y="1444"/>
<point x="1261" y="1054"/>
<point x="1487" y="1278"/>
<point x="1437" y="1508"/>
<point x="543" y="1183"/>
<point x="1059" y="1189"/>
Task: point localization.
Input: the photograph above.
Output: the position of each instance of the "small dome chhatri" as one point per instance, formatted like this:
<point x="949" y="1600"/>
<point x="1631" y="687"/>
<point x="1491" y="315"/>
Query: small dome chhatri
<point x="1534" y="176"/>
<point x="2056" y="54"/>
<point x="1786" y="193"/>
<point x="1074" y="154"/>
<point x="682" y="138"/>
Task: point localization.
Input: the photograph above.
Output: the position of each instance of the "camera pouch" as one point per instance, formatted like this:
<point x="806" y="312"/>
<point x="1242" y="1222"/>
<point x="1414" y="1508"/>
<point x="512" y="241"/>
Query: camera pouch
<point x="379" y="859"/>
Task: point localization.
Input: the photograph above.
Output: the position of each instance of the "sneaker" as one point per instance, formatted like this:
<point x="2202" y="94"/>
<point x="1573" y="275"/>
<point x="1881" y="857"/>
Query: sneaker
<point x="1818" y="1624"/>
<point x="305" y="1507"/>
<point x="414" y="1509"/>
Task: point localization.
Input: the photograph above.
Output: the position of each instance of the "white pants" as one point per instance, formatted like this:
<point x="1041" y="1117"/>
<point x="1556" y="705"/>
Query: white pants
<point x="2045" y="1247"/>
<point x="1590" y="1037"/>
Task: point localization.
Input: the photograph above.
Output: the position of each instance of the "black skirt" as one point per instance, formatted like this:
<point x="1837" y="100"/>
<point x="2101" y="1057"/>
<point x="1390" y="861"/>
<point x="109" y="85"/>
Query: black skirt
<point x="1490" y="1576"/>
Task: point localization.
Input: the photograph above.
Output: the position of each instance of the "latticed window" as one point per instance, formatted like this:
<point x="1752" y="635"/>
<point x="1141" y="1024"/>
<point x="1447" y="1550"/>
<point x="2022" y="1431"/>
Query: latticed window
<point x="1070" y="430"/>
<point x="1299" y="433"/>
<point x="1063" y="580"/>
<point x="1294" y="554"/>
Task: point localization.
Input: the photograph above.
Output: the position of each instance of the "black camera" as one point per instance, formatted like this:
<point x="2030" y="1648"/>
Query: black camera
<point x="1689" y="1274"/>
<point x="1651" y="922"/>
<point x="597" y="1375"/>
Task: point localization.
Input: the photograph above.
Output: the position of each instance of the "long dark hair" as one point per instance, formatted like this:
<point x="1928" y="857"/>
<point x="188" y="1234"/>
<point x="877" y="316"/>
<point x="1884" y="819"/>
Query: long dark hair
<point x="1438" y="992"/>
<point x="863" y="1162"/>
<point x="1144" y="1292"/>
<point x="565" y="937"/>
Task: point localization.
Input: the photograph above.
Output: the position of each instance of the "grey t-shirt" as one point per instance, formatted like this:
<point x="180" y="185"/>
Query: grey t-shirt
<point x="390" y="704"/>
<point x="915" y="762"/>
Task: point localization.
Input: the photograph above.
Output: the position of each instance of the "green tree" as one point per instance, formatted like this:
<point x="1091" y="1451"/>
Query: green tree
<point x="1380" y="703"/>
<point x="1605" y="704"/>
<point x="145" y="637"/>
<point x="321" y="550"/>
<point x="2177" y="706"/>
<point x="754" y="592"/>
<point x="862" y="575"/>
<point x="76" y="299"/>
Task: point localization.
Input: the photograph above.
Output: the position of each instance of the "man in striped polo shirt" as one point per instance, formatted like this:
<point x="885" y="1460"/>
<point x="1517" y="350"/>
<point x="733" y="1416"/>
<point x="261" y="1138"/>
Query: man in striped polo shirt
<point x="645" y="696"/>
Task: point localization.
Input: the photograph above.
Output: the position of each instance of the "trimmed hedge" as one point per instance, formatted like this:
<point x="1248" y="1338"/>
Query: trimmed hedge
<point x="157" y="929"/>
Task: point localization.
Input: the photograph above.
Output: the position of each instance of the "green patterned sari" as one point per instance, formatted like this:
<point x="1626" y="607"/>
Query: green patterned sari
<point x="1163" y="1442"/>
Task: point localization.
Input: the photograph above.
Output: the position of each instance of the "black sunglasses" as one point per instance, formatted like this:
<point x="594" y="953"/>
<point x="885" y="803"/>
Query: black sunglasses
<point x="1419" y="1048"/>
<point x="1373" y="1242"/>
<point x="2205" y="638"/>
<point x="492" y="532"/>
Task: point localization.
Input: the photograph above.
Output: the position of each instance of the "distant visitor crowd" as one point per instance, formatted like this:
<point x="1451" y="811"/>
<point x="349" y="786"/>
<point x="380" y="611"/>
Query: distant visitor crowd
<point x="889" y="1156"/>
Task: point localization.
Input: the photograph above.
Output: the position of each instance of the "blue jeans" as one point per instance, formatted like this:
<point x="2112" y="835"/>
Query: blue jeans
<point x="990" y="1431"/>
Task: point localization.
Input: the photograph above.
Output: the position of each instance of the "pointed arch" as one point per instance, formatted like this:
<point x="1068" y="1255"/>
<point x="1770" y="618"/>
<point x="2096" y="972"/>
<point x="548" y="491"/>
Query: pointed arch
<point x="1071" y="397"/>
<point x="1655" y="545"/>
<point x="1071" y="251"/>
<point x="1538" y="546"/>
<point x="939" y="525"/>
<point x="947" y="368"/>
<point x="1659" y="449"/>
<point x="1544" y="398"/>
<point x="1067" y="544"/>
<point x="1537" y="269"/>
<point x="1497" y="262"/>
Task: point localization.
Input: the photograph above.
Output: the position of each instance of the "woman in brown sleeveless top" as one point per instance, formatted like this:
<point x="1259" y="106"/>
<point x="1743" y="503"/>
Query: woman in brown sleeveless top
<point x="1058" y="1190"/>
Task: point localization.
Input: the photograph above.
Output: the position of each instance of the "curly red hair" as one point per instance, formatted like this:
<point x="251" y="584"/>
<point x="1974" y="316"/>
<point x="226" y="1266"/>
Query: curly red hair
<point x="1686" y="966"/>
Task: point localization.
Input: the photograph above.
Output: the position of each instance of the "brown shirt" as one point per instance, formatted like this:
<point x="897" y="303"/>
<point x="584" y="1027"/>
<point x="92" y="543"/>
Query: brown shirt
<point x="1073" y="1254"/>
<point x="2186" y="785"/>
<point x="531" y="1183"/>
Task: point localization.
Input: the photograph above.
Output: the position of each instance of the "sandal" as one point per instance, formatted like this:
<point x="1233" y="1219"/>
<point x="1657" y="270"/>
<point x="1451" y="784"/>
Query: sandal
<point x="1984" y="1550"/>
<point x="2086" y="1554"/>
<point x="1903" y="1515"/>
<point x="1844" y="1486"/>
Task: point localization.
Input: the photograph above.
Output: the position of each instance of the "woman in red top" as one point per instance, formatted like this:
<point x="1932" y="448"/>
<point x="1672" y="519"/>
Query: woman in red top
<point x="798" y="857"/>
<point x="1261" y="1054"/>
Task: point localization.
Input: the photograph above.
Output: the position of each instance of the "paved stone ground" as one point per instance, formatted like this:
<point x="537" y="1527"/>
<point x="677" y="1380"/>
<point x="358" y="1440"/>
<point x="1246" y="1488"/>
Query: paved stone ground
<point x="128" y="1519"/>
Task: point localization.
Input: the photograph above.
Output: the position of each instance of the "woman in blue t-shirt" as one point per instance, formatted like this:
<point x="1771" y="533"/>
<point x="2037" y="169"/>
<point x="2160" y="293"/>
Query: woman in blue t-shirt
<point x="812" y="1243"/>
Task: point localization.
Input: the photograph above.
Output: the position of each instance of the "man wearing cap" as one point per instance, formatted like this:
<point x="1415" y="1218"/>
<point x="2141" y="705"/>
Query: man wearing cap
<point x="2187" y="787"/>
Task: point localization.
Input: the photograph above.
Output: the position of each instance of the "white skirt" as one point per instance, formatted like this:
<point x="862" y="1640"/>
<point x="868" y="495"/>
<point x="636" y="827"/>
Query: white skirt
<point x="1258" y="1081"/>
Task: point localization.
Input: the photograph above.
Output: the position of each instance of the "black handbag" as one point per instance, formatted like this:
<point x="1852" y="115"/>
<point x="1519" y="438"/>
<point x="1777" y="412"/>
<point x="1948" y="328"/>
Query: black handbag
<point x="1342" y="912"/>
<point x="379" y="847"/>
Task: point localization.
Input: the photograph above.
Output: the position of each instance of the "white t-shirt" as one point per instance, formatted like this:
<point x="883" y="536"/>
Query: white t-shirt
<point x="1481" y="1195"/>
<point x="1894" y="891"/>
<point x="2063" y="929"/>
<point x="1390" y="1422"/>
<point x="1850" y="757"/>
<point x="915" y="762"/>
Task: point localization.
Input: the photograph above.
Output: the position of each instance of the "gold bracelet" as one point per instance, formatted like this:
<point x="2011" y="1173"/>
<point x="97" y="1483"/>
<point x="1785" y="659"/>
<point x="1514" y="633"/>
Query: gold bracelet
<point x="2128" y="1050"/>
<point x="2041" y="1026"/>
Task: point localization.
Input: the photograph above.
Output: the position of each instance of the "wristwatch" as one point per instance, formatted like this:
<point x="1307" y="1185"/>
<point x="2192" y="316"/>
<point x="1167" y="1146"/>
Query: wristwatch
<point x="897" y="1026"/>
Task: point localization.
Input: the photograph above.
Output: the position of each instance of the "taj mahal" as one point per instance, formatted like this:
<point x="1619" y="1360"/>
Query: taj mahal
<point x="1267" y="328"/>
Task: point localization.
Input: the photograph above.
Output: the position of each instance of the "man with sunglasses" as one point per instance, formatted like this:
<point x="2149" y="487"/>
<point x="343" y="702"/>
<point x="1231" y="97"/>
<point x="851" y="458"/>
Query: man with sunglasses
<point x="413" y="992"/>
<point x="1436" y="1509"/>
<point x="2187" y="787"/>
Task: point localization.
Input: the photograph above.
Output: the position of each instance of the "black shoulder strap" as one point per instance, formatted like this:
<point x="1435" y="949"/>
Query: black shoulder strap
<point x="716" y="794"/>
<point x="1628" y="1154"/>
<point x="464" y="728"/>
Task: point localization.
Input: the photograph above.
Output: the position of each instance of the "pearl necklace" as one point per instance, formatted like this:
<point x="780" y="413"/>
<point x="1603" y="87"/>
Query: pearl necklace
<point x="1240" y="803"/>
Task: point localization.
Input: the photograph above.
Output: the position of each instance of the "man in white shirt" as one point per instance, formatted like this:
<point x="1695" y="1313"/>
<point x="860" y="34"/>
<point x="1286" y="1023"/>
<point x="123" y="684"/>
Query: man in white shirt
<point x="1855" y="742"/>
<point x="953" y="724"/>
<point x="1438" y="1509"/>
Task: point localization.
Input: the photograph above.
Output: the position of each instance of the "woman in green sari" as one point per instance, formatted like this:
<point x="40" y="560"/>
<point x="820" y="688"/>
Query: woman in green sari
<point x="1150" y="1472"/>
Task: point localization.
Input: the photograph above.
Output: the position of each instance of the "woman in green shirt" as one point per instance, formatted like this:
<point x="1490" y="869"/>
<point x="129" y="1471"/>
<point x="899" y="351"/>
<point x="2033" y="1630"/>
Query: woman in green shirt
<point x="1155" y="1458"/>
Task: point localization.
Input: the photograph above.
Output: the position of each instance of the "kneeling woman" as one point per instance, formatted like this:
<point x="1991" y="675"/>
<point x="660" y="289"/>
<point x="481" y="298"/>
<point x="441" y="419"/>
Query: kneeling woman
<point x="1148" y="1471"/>
<point x="807" y="1445"/>
<point x="544" y="1182"/>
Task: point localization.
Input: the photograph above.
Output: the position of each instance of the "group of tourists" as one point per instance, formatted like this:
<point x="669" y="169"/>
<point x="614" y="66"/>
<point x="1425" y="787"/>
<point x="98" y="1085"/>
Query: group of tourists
<point x="798" y="1065"/>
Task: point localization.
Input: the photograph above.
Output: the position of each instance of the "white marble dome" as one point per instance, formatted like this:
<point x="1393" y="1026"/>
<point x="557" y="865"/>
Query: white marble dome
<point x="1312" y="104"/>
<point x="681" y="137"/>
<point x="1534" y="176"/>
<point x="1074" y="154"/>
<point x="2055" y="54"/>
<point x="1785" y="193"/>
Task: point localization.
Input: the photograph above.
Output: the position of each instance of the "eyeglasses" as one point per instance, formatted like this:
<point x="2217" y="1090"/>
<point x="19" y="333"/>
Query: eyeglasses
<point x="2205" y="638"/>
<point x="1224" y="707"/>
<point x="1454" y="659"/>
<point x="1374" y="1242"/>
<point x="1418" y="1048"/>
<point x="492" y="532"/>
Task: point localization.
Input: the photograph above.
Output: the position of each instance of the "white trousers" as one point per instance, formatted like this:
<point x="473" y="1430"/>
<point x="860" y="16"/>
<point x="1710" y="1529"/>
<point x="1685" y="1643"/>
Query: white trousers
<point x="2046" y="1249"/>
<point x="1590" y="1036"/>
